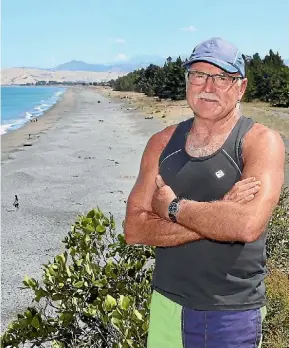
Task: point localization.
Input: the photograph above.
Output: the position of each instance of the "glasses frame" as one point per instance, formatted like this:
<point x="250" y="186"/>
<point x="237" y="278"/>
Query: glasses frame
<point x="213" y="76"/>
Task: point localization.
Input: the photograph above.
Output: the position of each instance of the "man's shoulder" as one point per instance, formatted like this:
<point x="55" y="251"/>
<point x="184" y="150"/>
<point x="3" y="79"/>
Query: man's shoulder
<point x="161" y="138"/>
<point x="259" y="129"/>
<point x="261" y="137"/>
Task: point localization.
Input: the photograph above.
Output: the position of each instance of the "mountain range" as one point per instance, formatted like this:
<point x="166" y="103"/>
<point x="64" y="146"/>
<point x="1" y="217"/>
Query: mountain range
<point x="132" y="64"/>
<point x="127" y="66"/>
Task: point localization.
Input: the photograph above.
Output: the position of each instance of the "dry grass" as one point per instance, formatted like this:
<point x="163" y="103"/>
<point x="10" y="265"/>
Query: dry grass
<point x="276" y="325"/>
<point x="174" y="111"/>
<point x="275" y="118"/>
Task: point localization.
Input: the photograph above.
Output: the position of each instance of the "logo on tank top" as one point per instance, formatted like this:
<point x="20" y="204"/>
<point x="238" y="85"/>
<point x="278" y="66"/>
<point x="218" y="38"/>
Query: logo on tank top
<point x="219" y="174"/>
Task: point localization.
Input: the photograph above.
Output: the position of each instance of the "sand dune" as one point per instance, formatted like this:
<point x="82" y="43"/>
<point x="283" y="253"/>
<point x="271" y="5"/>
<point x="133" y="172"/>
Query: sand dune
<point x="16" y="76"/>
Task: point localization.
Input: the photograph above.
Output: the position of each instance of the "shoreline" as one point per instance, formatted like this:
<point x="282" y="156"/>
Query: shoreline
<point x="33" y="112"/>
<point x="16" y="139"/>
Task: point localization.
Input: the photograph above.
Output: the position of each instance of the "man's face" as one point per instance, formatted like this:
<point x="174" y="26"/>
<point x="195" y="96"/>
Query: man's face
<point x="209" y="99"/>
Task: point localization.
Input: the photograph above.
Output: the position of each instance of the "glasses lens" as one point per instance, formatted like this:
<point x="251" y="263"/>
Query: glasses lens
<point x="222" y="81"/>
<point x="197" y="77"/>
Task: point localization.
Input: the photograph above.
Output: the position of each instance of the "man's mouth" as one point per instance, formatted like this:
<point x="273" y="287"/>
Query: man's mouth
<point x="208" y="100"/>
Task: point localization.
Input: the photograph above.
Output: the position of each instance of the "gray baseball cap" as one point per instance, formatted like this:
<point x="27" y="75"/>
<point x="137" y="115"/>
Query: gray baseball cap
<point x="220" y="53"/>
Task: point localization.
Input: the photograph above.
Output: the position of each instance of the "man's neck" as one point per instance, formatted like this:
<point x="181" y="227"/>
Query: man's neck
<point x="204" y="127"/>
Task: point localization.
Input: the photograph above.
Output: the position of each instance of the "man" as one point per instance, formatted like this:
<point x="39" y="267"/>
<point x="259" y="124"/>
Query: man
<point x="194" y="200"/>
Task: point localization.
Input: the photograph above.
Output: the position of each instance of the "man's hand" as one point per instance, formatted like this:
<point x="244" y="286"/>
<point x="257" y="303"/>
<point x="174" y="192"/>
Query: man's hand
<point x="243" y="191"/>
<point x="162" y="198"/>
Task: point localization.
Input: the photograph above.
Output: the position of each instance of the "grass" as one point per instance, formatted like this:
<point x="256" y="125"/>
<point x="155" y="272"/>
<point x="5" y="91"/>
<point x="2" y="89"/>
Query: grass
<point x="276" y="324"/>
<point x="275" y="118"/>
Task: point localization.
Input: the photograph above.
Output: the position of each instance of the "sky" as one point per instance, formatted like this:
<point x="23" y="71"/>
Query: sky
<point x="46" y="33"/>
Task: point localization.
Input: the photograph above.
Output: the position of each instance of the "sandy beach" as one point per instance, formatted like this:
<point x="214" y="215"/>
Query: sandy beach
<point x="84" y="152"/>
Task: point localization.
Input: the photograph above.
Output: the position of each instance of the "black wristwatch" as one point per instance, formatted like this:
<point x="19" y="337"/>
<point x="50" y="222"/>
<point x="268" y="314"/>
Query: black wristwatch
<point x="174" y="208"/>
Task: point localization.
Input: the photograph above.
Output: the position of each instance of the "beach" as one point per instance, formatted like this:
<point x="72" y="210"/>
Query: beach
<point x="82" y="153"/>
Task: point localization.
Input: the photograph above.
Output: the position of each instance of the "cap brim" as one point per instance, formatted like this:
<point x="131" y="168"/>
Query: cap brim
<point x="220" y="64"/>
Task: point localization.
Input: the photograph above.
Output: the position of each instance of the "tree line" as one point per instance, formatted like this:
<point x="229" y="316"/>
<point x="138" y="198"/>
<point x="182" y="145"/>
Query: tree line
<point x="268" y="80"/>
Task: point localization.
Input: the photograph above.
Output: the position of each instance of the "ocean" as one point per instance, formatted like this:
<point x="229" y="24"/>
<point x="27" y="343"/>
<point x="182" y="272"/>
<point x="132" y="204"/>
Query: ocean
<point x="22" y="104"/>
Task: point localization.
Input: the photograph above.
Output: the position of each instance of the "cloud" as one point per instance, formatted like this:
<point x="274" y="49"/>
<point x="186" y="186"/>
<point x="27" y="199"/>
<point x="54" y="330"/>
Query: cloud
<point x="121" y="56"/>
<point x="120" y="41"/>
<point x="189" y="28"/>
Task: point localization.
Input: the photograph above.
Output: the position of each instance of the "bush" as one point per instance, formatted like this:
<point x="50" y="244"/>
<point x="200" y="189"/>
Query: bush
<point x="97" y="293"/>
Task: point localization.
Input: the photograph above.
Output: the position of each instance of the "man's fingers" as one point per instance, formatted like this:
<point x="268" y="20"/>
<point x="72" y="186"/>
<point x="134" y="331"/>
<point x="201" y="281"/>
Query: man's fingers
<point x="159" y="181"/>
<point x="248" y="186"/>
<point x="245" y="181"/>
<point x="247" y="193"/>
<point x="247" y="199"/>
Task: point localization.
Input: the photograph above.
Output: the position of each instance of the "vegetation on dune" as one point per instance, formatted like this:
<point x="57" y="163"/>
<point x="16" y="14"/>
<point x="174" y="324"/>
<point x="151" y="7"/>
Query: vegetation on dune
<point x="268" y="80"/>
<point x="97" y="293"/>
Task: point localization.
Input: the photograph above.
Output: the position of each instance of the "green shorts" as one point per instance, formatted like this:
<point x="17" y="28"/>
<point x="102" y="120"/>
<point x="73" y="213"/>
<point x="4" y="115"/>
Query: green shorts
<point x="173" y="326"/>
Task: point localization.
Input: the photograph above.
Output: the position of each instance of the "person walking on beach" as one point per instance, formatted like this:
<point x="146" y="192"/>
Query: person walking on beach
<point x="16" y="202"/>
<point x="204" y="195"/>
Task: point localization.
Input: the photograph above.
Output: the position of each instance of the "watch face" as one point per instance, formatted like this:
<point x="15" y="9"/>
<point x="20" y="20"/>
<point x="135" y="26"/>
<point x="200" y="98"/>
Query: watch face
<point x="173" y="209"/>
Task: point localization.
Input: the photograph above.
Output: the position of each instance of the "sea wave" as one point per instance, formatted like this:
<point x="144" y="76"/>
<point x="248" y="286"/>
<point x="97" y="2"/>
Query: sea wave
<point x="29" y="115"/>
<point x="4" y="128"/>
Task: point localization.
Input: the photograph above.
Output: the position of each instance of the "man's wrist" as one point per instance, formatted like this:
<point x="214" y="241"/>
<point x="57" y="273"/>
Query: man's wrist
<point x="182" y="205"/>
<point x="173" y="209"/>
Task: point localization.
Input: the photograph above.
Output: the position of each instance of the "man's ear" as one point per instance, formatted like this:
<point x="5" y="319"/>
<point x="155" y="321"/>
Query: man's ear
<point x="243" y="88"/>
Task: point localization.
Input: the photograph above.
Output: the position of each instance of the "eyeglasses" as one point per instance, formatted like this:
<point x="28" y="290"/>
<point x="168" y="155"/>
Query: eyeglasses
<point x="199" y="78"/>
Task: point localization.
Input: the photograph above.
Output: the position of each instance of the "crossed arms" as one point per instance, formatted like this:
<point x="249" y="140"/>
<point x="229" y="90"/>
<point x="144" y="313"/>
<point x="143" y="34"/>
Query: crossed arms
<point x="147" y="219"/>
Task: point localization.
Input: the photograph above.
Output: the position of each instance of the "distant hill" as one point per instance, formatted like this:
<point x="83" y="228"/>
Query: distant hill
<point x="127" y="66"/>
<point x="17" y="76"/>
<point x="77" y="71"/>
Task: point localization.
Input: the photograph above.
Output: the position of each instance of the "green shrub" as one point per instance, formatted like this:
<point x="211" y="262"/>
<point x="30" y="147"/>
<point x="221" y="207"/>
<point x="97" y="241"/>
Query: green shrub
<point x="96" y="294"/>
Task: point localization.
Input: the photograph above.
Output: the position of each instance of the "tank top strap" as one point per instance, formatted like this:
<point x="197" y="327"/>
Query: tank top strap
<point x="233" y="144"/>
<point x="178" y="139"/>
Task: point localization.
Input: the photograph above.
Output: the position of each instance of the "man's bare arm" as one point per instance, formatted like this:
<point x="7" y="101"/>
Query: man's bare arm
<point x="229" y="221"/>
<point x="141" y="225"/>
<point x="149" y="229"/>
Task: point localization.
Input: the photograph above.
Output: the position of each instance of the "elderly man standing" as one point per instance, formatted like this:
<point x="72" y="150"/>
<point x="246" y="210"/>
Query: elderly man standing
<point x="204" y="195"/>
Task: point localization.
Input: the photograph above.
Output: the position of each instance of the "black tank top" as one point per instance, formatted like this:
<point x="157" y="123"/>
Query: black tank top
<point x="206" y="274"/>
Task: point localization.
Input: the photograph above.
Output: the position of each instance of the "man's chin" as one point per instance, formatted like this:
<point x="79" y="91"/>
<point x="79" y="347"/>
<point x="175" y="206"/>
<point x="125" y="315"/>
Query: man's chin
<point x="208" y="112"/>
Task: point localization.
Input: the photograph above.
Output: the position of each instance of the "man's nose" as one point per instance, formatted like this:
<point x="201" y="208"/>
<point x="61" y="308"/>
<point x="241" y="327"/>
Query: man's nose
<point x="209" y="84"/>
